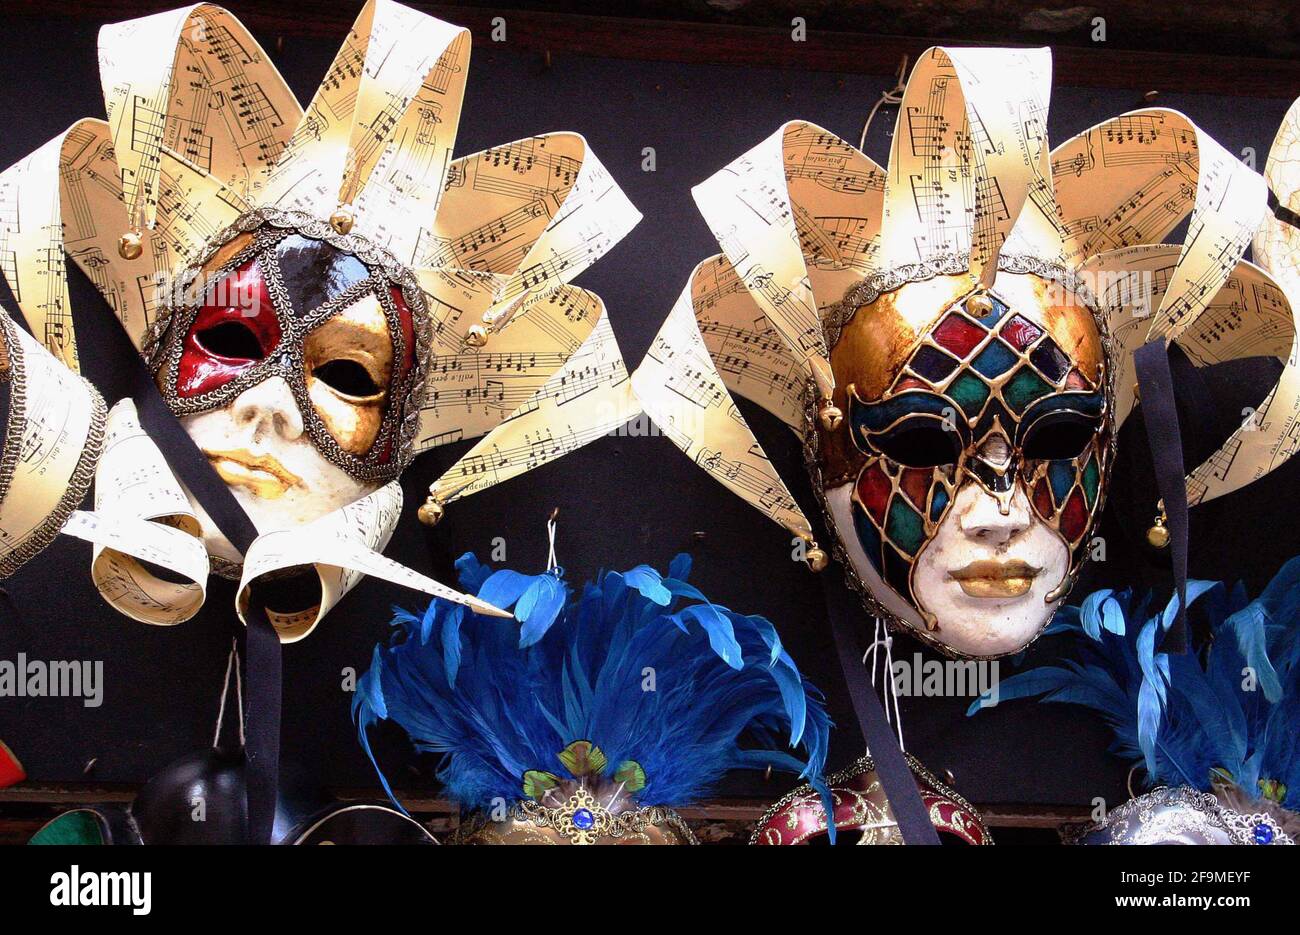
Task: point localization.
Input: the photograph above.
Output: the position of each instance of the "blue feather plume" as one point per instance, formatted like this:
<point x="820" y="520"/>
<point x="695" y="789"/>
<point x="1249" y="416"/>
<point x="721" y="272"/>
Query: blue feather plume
<point x="1229" y="712"/>
<point x="641" y="665"/>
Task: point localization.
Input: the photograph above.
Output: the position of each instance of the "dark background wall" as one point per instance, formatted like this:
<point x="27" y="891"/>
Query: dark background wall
<point x="622" y="500"/>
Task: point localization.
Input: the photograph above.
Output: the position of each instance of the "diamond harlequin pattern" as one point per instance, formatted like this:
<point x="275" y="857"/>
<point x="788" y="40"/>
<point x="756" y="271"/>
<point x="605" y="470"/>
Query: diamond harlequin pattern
<point x="994" y="367"/>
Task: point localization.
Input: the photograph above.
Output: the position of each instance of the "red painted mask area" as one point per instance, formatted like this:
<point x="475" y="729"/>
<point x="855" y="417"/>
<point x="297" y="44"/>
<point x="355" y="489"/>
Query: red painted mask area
<point x="234" y="330"/>
<point x="408" y="335"/>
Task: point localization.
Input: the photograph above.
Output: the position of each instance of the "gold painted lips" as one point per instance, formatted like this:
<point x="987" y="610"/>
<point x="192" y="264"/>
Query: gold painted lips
<point x="993" y="579"/>
<point x="264" y="475"/>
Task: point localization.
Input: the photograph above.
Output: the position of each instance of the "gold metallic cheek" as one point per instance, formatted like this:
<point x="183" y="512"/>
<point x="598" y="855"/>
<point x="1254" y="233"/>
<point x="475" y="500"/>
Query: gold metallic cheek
<point x="354" y="425"/>
<point x="359" y="334"/>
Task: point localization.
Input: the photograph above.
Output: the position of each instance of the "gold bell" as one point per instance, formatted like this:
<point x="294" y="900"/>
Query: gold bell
<point x="341" y="220"/>
<point x="816" y="558"/>
<point x="476" y="336"/>
<point x="431" y="511"/>
<point x="830" y="416"/>
<point x="130" y="245"/>
<point x="979" y="305"/>
<point x="1158" y="534"/>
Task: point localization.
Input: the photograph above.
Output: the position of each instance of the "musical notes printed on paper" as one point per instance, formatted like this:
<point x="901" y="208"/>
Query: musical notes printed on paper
<point x="749" y="355"/>
<point x="538" y="212"/>
<point x="142" y="515"/>
<point x="218" y="103"/>
<point x="679" y="387"/>
<point x="587" y="399"/>
<point x="969" y="146"/>
<point x="470" y="390"/>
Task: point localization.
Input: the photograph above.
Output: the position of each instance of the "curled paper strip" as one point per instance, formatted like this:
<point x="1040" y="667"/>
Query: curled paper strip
<point x="341" y="547"/>
<point x="142" y="515"/>
<point x="143" y="518"/>
<point x="1277" y="242"/>
<point x="52" y="437"/>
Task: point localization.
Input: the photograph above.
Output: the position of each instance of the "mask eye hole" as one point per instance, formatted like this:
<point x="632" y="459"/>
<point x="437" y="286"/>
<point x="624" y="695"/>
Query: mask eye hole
<point x="348" y="378"/>
<point x="1059" y="438"/>
<point x="919" y="441"/>
<point x="232" y="340"/>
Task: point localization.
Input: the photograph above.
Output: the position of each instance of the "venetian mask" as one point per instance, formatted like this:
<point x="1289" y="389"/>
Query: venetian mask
<point x="862" y="814"/>
<point x="579" y="813"/>
<point x="1180" y="815"/>
<point x="977" y="451"/>
<point x="953" y="336"/>
<point x="292" y="356"/>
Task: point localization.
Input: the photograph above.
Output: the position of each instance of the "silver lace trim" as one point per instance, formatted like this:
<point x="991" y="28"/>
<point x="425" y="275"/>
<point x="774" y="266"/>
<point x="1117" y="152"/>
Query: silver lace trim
<point x="1124" y="824"/>
<point x="82" y="474"/>
<point x="160" y="352"/>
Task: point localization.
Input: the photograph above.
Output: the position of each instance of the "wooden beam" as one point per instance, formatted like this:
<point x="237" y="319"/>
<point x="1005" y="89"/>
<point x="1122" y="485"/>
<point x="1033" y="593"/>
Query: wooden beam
<point x="561" y="34"/>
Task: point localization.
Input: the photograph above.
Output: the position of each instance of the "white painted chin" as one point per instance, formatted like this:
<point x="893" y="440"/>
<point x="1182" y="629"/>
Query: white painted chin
<point x="318" y="487"/>
<point x="968" y="625"/>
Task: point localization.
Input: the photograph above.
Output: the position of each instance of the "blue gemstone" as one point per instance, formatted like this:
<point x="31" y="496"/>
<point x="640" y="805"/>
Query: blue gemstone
<point x="1263" y="833"/>
<point x="583" y="819"/>
<point x="995" y="360"/>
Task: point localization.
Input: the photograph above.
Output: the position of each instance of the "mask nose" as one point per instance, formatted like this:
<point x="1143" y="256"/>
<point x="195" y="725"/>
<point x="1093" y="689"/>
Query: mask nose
<point x="986" y="521"/>
<point x="993" y="467"/>
<point x="268" y="408"/>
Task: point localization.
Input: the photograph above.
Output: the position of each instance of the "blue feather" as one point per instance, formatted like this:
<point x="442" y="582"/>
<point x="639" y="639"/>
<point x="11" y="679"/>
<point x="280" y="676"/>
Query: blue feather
<point x="688" y="694"/>
<point x="538" y="607"/>
<point x="1189" y="717"/>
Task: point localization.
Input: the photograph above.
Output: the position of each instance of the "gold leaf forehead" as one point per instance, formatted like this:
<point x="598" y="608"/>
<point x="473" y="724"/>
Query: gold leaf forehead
<point x="876" y="343"/>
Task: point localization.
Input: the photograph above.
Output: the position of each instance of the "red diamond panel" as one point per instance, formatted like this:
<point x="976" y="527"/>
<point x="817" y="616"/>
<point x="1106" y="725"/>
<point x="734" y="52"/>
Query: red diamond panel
<point x="873" y="492"/>
<point x="1074" y="518"/>
<point x="1020" y="333"/>
<point x="958" y="335"/>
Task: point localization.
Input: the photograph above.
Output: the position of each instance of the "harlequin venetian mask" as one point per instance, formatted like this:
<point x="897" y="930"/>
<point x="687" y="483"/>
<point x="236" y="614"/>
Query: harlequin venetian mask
<point x="297" y="365"/>
<point x="979" y="444"/>
<point x="952" y="337"/>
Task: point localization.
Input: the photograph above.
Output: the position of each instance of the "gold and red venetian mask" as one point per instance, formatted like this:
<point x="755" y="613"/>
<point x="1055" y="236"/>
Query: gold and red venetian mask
<point x="336" y="324"/>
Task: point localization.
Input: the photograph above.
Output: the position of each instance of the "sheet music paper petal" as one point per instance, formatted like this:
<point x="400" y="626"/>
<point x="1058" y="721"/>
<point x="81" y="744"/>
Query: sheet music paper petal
<point x="969" y="144"/>
<point x="470" y="390"/>
<point x="752" y="359"/>
<point x="1250" y="316"/>
<point x="682" y="392"/>
<point x="748" y="207"/>
<point x="538" y="211"/>
<point x="218" y="103"/>
<point x="50" y="441"/>
<point x="1276" y="246"/>
<point x="586" y="399"/>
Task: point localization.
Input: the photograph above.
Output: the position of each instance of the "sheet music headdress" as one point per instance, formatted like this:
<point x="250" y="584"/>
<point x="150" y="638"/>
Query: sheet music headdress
<point x="321" y="293"/>
<point x="952" y="337"/>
